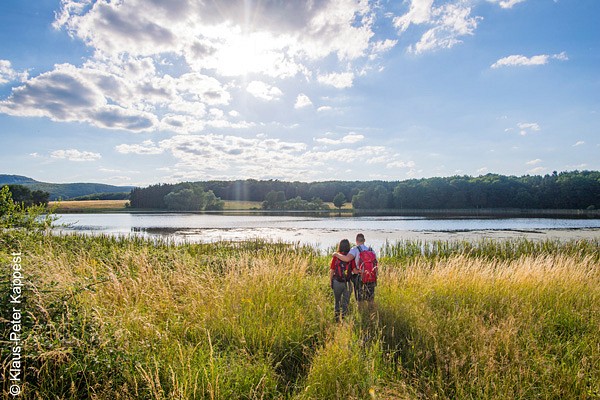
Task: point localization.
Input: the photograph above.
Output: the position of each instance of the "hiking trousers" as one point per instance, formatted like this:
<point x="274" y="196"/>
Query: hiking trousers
<point x="341" y="293"/>
<point x="356" y="284"/>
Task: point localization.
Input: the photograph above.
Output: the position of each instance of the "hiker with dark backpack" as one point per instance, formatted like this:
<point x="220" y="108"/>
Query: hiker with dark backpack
<point x="339" y="280"/>
<point x="364" y="275"/>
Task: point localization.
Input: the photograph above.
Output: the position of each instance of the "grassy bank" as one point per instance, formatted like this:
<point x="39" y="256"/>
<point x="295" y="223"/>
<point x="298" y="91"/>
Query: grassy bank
<point x="94" y="206"/>
<point x="109" y="318"/>
<point x="83" y="206"/>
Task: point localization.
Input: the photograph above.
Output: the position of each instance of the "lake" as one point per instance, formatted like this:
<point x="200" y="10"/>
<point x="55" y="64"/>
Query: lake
<point x="323" y="231"/>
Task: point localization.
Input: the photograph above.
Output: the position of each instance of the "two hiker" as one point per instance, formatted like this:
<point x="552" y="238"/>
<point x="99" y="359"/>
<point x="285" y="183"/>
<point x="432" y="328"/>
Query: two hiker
<point x="352" y="269"/>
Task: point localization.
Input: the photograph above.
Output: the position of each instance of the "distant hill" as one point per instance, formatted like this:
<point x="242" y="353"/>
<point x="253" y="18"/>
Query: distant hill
<point x="64" y="191"/>
<point x="16" y="180"/>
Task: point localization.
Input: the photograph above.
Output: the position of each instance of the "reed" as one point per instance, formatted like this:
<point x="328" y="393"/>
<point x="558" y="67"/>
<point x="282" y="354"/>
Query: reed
<point x="128" y="318"/>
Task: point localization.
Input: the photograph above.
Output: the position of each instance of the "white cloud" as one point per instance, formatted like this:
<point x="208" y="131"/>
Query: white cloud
<point x="302" y="101"/>
<point x="382" y="47"/>
<point x="350" y="138"/>
<point x="264" y="91"/>
<point x="130" y="80"/>
<point x="483" y="170"/>
<point x="522" y="61"/>
<point x="534" y="162"/>
<point x="75" y="155"/>
<point x="506" y="3"/>
<point x="146" y="147"/>
<point x="327" y="141"/>
<point x="446" y="24"/>
<point x="453" y="21"/>
<point x="526" y="128"/>
<point x="537" y="170"/>
<point x="560" y="56"/>
<point x="201" y="88"/>
<point x="401" y="164"/>
<point x="353" y="137"/>
<point x="71" y="94"/>
<point x="578" y="166"/>
<point x="126" y="95"/>
<point x="338" y="80"/>
<point x="579" y="143"/>
<point x="234" y="38"/>
<point x="324" y="108"/>
<point x="8" y="74"/>
<point x="213" y="156"/>
<point x="419" y="13"/>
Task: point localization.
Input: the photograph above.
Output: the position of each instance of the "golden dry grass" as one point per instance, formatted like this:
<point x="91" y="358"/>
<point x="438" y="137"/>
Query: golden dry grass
<point x="128" y="318"/>
<point x="235" y="205"/>
<point x="88" y="205"/>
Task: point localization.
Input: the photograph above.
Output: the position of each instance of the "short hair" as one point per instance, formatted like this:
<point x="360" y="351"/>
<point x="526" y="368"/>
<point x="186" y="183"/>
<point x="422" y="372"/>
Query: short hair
<point x="360" y="238"/>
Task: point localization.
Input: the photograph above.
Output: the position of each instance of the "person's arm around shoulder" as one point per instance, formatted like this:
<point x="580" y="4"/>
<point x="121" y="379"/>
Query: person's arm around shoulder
<point x="346" y="257"/>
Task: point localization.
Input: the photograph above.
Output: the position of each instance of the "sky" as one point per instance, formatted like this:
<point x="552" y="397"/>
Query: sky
<point x="139" y="92"/>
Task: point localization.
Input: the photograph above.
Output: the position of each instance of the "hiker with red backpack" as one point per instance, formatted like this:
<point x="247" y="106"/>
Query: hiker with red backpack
<point x="340" y="273"/>
<point x="364" y="275"/>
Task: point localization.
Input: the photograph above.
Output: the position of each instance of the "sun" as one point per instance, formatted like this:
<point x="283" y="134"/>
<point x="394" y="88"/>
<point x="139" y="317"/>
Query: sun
<point x="243" y="54"/>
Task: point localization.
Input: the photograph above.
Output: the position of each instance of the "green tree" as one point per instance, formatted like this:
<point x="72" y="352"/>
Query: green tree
<point x="184" y="200"/>
<point x="18" y="215"/>
<point x="22" y="194"/>
<point x="212" y="202"/>
<point x="274" y="200"/>
<point x="339" y="200"/>
<point x="376" y="198"/>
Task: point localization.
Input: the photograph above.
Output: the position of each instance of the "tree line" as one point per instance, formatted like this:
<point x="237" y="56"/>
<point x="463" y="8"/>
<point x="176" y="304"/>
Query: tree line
<point x="186" y="196"/>
<point x="23" y="195"/>
<point x="565" y="190"/>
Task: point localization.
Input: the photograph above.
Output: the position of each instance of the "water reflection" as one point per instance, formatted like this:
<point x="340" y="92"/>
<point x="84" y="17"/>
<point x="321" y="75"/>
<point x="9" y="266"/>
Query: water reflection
<point x="319" y="230"/>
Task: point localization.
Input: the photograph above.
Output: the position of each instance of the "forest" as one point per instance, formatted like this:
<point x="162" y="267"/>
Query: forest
<point x="564" y="190"/>
<point x="23" y="195"/>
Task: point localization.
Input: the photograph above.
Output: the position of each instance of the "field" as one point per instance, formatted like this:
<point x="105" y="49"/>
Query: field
<point x="110" y="318"/>
<point x="242" y="205"/>
<point x="88" y="205"/>
<point x="71" y="206"/>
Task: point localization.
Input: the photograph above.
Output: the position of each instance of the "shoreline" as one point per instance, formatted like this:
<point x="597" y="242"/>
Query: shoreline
<point x="507" y="234"/>
<point x="378" y="238"/>
<point x="326" y="239"/>
<point x="119" y="206"/>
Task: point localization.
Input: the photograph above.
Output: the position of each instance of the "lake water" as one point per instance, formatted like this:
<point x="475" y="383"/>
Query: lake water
<point x="322" y="231"/>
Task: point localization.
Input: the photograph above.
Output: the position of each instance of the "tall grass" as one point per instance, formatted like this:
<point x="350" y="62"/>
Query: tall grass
<point x="488" y="248"/>
<point x="128" y="318"/>
<point x="473" y="328"/>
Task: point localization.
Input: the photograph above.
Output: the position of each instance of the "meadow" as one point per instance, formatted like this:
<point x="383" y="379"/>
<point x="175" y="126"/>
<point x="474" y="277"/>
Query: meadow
<point x="127" y="318"/>
<point x="76" y="206"/>
<point x="87" y="206"/>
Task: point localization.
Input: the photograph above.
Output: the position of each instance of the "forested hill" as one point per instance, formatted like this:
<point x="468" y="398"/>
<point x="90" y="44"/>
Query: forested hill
<point x="63" y="191"/>
<point x="565" y="190"/>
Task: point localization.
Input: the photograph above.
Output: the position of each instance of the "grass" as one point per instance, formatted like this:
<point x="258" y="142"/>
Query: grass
<point x="66" y="206"/>
<point x="127" y="318"/>
<point x="238" y="205"/>
<point x="78" y="206"/>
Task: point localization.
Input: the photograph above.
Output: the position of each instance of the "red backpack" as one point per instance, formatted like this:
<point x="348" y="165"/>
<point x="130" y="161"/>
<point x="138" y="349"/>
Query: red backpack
<point x="367" y="265"/>
<point x="342" y="270"/>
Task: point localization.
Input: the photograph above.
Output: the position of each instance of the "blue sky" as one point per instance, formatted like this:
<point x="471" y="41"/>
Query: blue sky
<point x="136" y="92"/>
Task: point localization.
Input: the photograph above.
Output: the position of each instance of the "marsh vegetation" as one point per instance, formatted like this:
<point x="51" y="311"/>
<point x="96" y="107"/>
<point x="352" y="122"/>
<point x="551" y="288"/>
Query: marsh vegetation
<point x="127" y="318"/>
